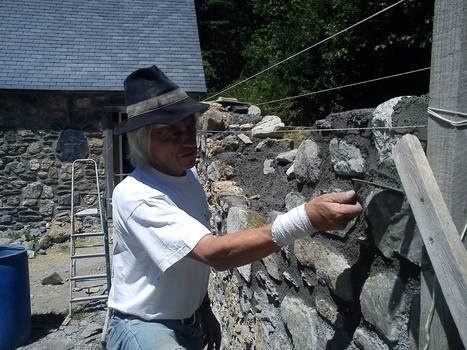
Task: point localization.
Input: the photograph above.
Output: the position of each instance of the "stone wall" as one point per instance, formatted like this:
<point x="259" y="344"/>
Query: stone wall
<point x="352" y="289"/>
<point x="35" y="161"/>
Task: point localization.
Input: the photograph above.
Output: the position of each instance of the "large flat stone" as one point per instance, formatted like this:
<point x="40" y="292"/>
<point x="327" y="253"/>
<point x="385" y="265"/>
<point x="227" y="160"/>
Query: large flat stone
<point x="32" y="190"/>
<point x="392" y="226"/>
<point x="383" y="303"/>
<point x="300" y="320"/>
<point x="268" y="127"/>
<point x="346" y="158"/>
<point x="328" y="263"/>
<point x="367" y="340"/>
<point x="268" y="167"/>
<point x="227" y="202"/>
<point x="230" y="143"/>
<point x="307" y="163"/>
<point x="245" y="272"/>
<point x="47" y="207"/>
<point x="5" y="219"/>
<point x="328" y="309"/>
<point x="213" y="120"/>
<point x="268" y="286"/>
<point x="245" y="139"/>
<point x="286" y="157"/>
<point x="382" y="138"/>
<point x="284" y="144"/>
<point x="254" y="110"/>
<point x="239" y="219"/>
<point x="274" y="266"/>
<point x="225" y="188"/>
<point x="218" y="170"/>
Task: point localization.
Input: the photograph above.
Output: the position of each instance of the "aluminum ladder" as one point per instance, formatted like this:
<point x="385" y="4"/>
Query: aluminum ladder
<point x="75" y="237"/>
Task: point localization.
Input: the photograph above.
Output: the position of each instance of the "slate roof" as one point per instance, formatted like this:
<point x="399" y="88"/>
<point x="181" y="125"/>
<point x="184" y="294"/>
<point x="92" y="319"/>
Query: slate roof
<point x="92" y="45"/>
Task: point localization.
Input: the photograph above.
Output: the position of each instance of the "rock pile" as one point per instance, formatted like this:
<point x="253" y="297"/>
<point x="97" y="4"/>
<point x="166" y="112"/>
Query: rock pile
<point x="346" y="289"/>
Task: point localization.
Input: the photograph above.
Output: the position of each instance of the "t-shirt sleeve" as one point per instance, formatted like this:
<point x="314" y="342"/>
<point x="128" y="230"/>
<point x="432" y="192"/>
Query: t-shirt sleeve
<point x="165" y="231"/>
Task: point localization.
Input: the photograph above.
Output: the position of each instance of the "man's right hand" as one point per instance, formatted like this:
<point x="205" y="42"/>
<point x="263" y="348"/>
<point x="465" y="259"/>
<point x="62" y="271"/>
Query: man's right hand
<point x="333" y="211"/>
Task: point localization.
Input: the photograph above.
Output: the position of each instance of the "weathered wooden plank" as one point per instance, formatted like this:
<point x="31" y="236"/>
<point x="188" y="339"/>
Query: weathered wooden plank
<point x="440" y="236"/>
<point x="108" y="159"/>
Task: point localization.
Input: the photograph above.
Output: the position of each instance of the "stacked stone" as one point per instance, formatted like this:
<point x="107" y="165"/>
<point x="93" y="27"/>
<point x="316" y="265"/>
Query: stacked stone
<point x="36" y="185"/>
<point x="343" y="289"/>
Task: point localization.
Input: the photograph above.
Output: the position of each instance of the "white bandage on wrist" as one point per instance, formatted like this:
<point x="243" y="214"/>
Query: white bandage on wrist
<point x="292" y="225"/>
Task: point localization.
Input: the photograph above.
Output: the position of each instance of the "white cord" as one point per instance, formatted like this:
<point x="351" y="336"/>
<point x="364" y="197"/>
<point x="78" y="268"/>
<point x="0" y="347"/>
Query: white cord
<point x="432" y="111"/>
<point x="342" y="86"/>
<point x="464" y="232"/>
<point x="306" y="49"/>
<point x="430" y="318"/>
<point x="305" y="128"/>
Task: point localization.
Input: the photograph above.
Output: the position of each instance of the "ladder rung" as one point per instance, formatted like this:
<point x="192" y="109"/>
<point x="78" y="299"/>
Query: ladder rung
<point x="84" y="256"/>
<point x="89" y="246"/>
<point x="87" y="234"/>
<point x="96" y="297"/>
<point x="95" y="212"/>
<point x="88" y="277"/>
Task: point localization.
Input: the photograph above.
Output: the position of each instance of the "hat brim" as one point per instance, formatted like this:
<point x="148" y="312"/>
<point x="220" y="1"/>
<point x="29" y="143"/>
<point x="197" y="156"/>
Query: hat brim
<point x="166" y="115"/>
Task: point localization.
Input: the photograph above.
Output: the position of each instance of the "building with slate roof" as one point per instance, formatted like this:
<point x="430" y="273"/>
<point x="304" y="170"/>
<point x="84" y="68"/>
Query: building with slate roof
<point x="71" y="45"/>
<point x="62" y="66"/>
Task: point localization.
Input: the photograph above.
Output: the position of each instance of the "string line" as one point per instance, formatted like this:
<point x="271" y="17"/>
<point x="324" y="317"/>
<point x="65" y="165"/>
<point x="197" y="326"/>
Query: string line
<point x="304" y="50"/>
<point x="343" y="86"/>
<point x="305" y="128"/>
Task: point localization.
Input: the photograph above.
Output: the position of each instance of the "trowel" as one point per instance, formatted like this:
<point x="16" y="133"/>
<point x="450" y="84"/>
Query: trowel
<point x="358" y="181"/>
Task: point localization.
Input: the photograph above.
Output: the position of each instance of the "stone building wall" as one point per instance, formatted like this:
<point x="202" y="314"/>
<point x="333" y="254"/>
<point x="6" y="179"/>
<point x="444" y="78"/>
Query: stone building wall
<point x="36" y="186"/>
<point x="352" y="289"/>
<point x="35" y="174"/>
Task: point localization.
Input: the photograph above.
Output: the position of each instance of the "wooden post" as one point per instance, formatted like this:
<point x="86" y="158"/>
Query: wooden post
<point x="108" y="159"/>
<point x="446" y="152"/>
<point x="439" y="234"/>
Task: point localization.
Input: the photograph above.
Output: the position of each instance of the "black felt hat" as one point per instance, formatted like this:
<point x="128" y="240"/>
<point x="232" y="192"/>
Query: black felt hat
<point x="152" y="98"/>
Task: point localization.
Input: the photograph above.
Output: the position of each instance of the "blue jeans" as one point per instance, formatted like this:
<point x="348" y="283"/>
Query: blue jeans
<point x="131" y="333"/>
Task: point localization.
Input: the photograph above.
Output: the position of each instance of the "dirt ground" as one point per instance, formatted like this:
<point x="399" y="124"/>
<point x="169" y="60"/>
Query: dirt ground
<point x="50" y="303"/>
<point x="55" y="298"/>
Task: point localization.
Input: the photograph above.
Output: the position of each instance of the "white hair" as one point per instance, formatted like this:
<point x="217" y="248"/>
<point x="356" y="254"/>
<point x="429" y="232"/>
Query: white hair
<point x="139" y="142"/>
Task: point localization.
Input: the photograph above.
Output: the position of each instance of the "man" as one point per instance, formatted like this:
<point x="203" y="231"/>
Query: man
<point x="163" y="247"/>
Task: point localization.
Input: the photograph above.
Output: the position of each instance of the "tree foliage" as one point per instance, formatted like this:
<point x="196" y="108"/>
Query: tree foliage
<point x="242" y="37"/>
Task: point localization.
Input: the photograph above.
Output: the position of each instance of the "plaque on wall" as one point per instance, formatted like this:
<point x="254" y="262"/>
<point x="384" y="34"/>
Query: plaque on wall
<point x="71" y="145"/>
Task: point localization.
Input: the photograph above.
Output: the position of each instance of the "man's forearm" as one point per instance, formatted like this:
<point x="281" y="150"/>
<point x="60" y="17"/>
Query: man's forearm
<point x="235" y="249"/>
<point x="327" y="212"/>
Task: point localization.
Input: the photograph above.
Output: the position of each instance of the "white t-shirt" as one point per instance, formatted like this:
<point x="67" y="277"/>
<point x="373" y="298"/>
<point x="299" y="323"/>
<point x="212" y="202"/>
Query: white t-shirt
<point x="158" y="219"/>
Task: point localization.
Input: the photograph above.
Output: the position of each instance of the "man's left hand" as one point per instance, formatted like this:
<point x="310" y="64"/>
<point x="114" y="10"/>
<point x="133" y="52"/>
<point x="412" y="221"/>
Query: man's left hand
<point x="211" y="328"/>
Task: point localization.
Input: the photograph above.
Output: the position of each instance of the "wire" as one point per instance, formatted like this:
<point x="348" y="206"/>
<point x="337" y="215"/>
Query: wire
<point x="304" y="50"/>
<point x="305" y="128"/>
<point x="378" y="185"/>
<point x="464" y="232"/>
<point x="430" y="317"/>
<point x="432" y="112"/>
<point x="344" y="86"/>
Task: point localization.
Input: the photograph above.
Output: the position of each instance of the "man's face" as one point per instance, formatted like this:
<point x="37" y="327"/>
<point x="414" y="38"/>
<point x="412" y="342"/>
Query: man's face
<point x="173" y="147"/>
